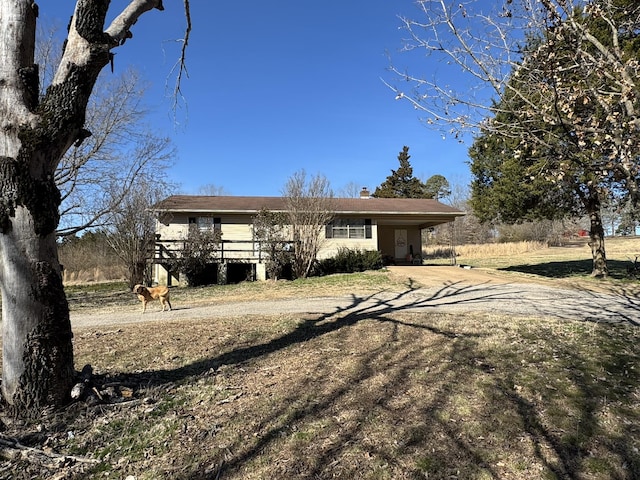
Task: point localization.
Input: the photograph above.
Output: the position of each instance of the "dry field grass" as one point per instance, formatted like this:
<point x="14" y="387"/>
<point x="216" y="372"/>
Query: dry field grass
<point x="619" y="249"/>
<point x="573" y="260"/>
<point x="353" y="396"/>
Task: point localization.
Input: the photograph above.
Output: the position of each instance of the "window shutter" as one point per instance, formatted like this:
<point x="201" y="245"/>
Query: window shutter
<point x="217" y="224"/>
<point x="367" y="228"/>
<point x="328" y="231"/>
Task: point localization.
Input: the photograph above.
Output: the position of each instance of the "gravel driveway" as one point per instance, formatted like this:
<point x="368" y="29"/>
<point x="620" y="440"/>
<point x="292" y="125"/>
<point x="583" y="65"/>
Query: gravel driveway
<point x="437" y="289"/>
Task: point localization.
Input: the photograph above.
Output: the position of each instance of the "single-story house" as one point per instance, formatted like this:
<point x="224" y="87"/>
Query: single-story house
<point x="392" y="226"/>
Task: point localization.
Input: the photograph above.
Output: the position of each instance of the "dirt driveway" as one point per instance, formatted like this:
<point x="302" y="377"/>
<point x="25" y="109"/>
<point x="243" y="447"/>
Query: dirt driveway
<point x="439" y="275"/>
<point x="431" y="276"/>
<point x="429" y="289"/>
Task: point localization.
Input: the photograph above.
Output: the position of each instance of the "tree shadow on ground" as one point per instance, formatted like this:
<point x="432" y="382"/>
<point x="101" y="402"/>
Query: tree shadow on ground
<point x="461" y="361"/>
<point x="573" y="268"/>
<point x="361" y="308"/>
<point x="379" y="307"/>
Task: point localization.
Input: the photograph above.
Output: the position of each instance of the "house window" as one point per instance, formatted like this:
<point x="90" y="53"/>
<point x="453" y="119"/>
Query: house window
<point x="349" y="228"/>
<point x="206" y="223"/>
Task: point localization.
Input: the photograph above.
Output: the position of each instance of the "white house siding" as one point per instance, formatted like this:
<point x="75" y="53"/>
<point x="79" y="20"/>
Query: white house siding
<point x="239" y="230"/>
<point x="173" y="228"/>
<point x="330" y="246"/>
<point x="169" y="227"/>
<point x="233" y="228"/>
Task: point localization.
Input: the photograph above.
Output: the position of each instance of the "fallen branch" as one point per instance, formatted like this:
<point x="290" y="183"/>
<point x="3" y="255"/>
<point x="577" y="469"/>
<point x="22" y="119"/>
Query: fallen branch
<point x="7" y="443"/>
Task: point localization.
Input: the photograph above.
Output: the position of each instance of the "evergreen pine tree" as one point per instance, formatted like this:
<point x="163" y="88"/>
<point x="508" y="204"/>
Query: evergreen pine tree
<point x="401" y="183"/>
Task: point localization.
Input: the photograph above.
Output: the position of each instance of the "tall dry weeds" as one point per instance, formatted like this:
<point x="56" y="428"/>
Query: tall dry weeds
<point x="484" y="250"/>
<point x="89" y="259"/>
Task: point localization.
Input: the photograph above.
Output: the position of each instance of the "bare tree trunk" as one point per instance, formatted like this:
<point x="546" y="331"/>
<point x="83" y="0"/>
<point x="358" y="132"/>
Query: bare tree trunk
<point x="37" y="350"/>
<point x="137" y="273"/>
<point x="37" y="354"/>
<point x="596" y="236"/>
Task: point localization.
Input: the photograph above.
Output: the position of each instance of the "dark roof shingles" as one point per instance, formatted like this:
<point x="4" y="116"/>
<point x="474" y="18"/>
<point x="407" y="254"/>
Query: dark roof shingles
<point x="194" y="203"/>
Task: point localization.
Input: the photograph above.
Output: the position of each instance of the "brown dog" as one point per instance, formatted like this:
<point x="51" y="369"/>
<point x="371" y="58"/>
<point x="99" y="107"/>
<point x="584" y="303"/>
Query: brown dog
<point x="146" y="294"/>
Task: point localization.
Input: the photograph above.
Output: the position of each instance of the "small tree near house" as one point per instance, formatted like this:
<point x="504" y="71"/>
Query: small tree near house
<point x="271" y="231"/>
<point x="201" y="248"/>
<point x="309" y="208"/>
<point x="132" y="230"/>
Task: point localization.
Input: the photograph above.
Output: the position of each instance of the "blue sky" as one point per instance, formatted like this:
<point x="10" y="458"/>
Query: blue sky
<point x="275" y="87"/>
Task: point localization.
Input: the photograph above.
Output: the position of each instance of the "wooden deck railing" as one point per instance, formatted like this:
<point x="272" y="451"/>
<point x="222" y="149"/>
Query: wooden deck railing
<point x="228" y="251"/>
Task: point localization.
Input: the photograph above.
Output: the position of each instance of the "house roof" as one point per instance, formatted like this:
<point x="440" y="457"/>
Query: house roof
<point x="387" y="211"/>
<point x="360" y="206"/>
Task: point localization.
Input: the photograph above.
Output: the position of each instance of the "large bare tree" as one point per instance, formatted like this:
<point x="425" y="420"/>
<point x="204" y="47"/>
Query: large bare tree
<point x="556" y="79"/>
<point x="36" y="132"/>
<point x="95" y="175"/>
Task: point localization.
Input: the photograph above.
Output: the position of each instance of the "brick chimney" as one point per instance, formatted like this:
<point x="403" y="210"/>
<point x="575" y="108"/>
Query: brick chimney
<point x="364" y="193"/>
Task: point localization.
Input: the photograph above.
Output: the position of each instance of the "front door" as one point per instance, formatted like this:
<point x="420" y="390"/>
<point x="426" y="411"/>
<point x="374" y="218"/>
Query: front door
<point x="400" y="243"/>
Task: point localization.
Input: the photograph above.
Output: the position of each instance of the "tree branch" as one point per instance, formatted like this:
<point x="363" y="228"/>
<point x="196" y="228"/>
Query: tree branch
<point x="119" y="30"/>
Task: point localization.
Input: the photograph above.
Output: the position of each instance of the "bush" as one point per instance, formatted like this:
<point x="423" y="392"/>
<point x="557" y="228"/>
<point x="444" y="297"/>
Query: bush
<point x="199" y="256"/>
<point x="350" y="260"/>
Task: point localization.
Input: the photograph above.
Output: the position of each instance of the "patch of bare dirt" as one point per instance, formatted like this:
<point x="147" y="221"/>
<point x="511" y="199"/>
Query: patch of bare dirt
<point x="432" y="276"/>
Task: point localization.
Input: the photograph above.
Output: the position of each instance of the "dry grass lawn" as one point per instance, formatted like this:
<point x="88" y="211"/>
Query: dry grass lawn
<point x="354" y="396"/>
